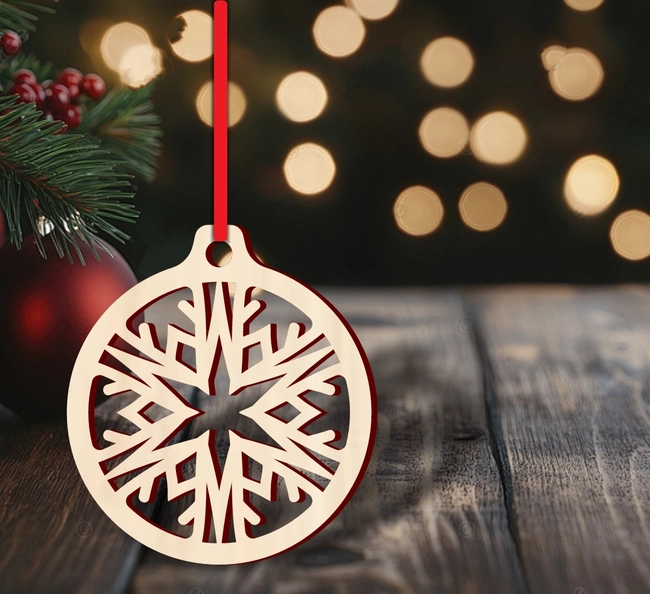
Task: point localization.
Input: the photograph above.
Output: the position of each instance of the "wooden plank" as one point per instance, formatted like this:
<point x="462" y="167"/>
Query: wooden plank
<point x="570" y="405"/>
<point x="54" y="537"/>
<point x="429" y="515"/>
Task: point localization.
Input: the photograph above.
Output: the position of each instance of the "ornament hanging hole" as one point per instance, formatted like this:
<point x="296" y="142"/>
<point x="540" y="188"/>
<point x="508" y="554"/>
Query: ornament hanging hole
<point x="219" y="254"/>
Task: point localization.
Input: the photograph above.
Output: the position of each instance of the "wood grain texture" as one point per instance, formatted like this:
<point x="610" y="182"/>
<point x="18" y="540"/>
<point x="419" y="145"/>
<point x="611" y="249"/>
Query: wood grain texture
<point x="429" y="515"/>
<point x="54" y="537"/>
<point x="570" y="378"/>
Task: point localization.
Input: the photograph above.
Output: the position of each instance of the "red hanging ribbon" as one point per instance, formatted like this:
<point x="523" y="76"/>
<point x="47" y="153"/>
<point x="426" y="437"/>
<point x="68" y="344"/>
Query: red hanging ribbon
<point x="220" y="120"/>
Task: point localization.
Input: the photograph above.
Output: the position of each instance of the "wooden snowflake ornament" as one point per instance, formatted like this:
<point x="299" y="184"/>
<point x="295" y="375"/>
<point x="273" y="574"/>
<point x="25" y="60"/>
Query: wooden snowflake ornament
<point x="298" y="397"/>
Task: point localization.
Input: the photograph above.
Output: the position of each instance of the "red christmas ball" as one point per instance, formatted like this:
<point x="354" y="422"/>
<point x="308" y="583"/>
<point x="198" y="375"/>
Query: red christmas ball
<point x="47" y="308"/>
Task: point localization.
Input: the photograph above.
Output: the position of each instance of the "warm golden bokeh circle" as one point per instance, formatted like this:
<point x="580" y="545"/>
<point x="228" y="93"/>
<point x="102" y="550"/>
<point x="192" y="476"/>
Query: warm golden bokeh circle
<point x="338" y="31"/>
<point x="630" y="235"/>
<point x="444" y="132"/>
<point x="575" y="74"/>
<point x="483" y="207"/>
<point x="373" y="10"/>
<point x="127" y="49"/>
<point x="418" y="211"/>
<point x="236" y="103"/>
<point x="118" y="40"/>
<point x="583" y="5"/>
<point x="591" y="185"/>
<point x="140" y="65"/>
<point x="301" y="96"/>
<point x="309" y="169"/>
<point x="447" y="62"/>
<point x="498" y="138"/>
<point x="195" y="44"/>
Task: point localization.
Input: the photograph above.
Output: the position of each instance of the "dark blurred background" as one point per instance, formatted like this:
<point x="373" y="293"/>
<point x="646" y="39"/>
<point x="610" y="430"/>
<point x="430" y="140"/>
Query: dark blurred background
<point x="573" y="81"/>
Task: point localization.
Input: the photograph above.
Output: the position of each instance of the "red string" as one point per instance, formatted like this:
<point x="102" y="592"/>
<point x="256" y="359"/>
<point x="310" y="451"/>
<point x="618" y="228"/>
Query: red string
<point x="220" y="120"/>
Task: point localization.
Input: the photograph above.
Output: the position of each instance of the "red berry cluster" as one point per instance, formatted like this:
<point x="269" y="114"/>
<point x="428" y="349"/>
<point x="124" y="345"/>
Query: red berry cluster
<point x="58" y="100"/>
<point x="10" y="43"/>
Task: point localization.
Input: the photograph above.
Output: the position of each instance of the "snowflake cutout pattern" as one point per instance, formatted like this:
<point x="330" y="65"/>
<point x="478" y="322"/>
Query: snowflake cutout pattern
<point x="285" y="385"/>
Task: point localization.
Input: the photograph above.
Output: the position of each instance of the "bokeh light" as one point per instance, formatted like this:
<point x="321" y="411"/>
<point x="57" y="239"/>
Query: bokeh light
<point x="195" y="43"/>
<point x="575" y="74"/>
<point x="301" y="96"/>
<point x="204" y="103"/>
<point x="498" y="138"/>
<point x="309" y="169"/>
<point x="552" y="56"/>
<point x="444" y="132"/>
<point x="338" y="31"/>
<point x="373" y="10"/>
<point x="630" y="235"/>
<point x="447" y="62"/>
<point x="583" y="5"/>
<point x="118" y="40"/>
<point x="140" y="65"/>
<point x="591" y="185"/>
<point x="236" y="103"/>
<point x="418" y="211"/>
<point x="483" y="207"/>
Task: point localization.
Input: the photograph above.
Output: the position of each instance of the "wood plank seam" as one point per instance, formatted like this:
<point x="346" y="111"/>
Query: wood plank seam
<point x="430" y="515"/>
<point x="497" y="442"/>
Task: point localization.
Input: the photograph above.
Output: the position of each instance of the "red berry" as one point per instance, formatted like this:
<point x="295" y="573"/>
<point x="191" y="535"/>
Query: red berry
<point x="10" y="43"/>
<point x="58" y="97"/>
<point x="70" y="76"/>
<point x="74" y="90"/>
<point x="71" y="116"/>
<point x="25" y="93"/>
<point x="41" y="97"/>
<point x="25" y="76"/>
<point x="46" y="84"/>
<point x="94" y="86"/>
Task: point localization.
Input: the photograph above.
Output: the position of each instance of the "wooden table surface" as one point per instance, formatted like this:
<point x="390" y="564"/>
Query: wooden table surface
<point x="512" y="455"/>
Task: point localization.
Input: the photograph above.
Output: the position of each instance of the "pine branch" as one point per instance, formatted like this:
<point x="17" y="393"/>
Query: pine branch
<point x="21" y="16"/>
<point x="42" y="70"/>
<point x="125" y="123"/>
<point x="66" y="178"/>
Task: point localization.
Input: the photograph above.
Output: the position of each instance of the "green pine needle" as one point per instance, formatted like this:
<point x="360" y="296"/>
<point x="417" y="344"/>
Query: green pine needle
<point x="125" y="123"/>
<point x="68" y="179"/>
<point x="76" y="182"/>
<point x="20" y="16"/>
